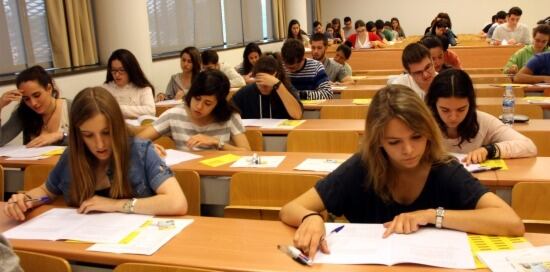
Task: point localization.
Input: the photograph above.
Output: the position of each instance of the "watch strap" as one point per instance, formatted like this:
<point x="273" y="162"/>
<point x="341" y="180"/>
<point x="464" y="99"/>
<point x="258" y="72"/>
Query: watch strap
<point x="439" y="215"/>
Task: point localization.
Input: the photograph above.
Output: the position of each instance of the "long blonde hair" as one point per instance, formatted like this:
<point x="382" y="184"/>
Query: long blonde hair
<point x="399" y="102"/>
<point x="87" y="104"/>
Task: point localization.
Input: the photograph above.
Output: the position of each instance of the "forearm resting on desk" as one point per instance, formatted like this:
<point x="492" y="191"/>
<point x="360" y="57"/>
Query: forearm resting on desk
<point x="20" y="203"/>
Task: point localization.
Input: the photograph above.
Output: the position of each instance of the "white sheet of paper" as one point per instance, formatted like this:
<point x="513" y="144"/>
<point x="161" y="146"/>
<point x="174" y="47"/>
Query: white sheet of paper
<point x="339" y="87"/>
<point x="322" y="165"/>
<point x="169" y="102"/>
<point x="174" y="157"/>
<point x="504" y="260"/>
<point x="264" y="123"/>
<point x="21" y="151"/>
<point x="148" y="239"/>
<point x="472" y="167"/>
<point x="363" y="244"/>
<point x="133" y="122"/>
<point x="265" y="162"/>
<point x="66" y="223"/>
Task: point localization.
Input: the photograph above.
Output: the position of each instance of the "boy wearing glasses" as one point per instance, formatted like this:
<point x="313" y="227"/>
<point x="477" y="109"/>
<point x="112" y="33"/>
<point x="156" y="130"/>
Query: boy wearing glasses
<point x="418" y="63"/>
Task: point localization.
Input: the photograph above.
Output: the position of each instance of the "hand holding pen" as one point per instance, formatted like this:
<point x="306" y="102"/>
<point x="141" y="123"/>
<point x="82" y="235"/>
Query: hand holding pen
<point x="309" y="236"/>
<point x="20" y="203"/>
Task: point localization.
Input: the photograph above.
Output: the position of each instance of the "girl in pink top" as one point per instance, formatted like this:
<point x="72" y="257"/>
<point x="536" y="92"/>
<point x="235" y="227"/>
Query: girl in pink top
<point x="480" y="135"/>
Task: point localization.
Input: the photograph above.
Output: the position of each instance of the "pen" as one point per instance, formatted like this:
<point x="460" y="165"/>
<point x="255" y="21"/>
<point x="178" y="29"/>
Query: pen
<point x="483" y="169"/>
<point x="43" y="199"/>
<point x="295" y="254"/>
<point x="336" y="230"/>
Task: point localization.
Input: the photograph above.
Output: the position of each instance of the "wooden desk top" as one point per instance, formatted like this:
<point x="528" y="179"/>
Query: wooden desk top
<point x="217" y="243"/>
<point x="358" y="125"/>
<point x="525" y="169"/>
<point x="349" y="103"/>
<point x="292" y="159"/>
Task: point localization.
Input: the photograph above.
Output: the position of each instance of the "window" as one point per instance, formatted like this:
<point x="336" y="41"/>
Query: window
<point x="176" y="24"/>
<point x="23" y="35"/>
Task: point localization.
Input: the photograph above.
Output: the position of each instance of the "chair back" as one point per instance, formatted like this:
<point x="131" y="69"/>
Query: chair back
<point x="345" y="112"/>
<point x="165" y="142"/>
<point x="36" y="175"/>
<point x="256" y="195"/>
<point x="38" y="262"/>
<point x="530" y="201"/>
<point x="357" y="94"/>
<point x="190" y="183"/>
<point x="323" y="141"/>
<point x="143" y="267"/>
<point x="1" y="183"/>
<point x="255" y="139"/>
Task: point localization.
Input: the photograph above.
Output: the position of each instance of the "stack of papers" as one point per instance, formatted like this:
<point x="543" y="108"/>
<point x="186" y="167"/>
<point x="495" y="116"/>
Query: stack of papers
<point x="21" y="152"/>
<point x="363" y="244"/>
<point x="480" y="243"/>
<point x="488" y="165"/>
<point x="537" y="99"/>
<point x="362" y="101"/>
<point x="148" y="238"/>
<point x="319" y="165"/>
<point x="312" y="102"/>
<point x="260" y="162"/>
<point x="174" y="157"/>
<point x="338" y="87"/>
<point x="67" y="224"/>
<point x="220" y="160"/>
<point x="533" y="259"/>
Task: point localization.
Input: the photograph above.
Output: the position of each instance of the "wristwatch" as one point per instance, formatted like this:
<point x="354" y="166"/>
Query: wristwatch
<point x="276" y="85"/>
<point x="129" y="205"/>
<point x="439" y="215"/>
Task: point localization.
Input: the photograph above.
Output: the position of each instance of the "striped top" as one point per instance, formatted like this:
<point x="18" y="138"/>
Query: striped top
<point x="312" y="81"/>
<point x="176" y="123"/>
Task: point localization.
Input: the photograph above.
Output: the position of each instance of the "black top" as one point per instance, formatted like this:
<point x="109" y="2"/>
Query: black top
<point x="344" y="192"/>
<point x="248" y="100"/>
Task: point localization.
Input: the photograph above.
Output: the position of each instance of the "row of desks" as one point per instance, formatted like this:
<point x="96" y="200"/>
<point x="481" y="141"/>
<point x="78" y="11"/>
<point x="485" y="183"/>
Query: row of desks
<point x="216" y="243"/>
<point x="524" y="169"/>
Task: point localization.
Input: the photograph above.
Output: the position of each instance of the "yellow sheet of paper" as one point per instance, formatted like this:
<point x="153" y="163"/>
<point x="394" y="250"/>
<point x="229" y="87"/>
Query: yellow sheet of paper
<point x="291" y="123"/>
<point x="58" y="151"/>
<point x="220" y="160"/>
<point x="312" y="102"/>
<point x="493" y="243"/>
<point x="361" y="101"/>
<point x="495" y="163"/>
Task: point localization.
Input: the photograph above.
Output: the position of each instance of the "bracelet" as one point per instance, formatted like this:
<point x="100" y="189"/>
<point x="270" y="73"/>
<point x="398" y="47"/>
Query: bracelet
<point x="276" y="85"/>
<point x="310" y="214"/>
<point x="439" y="215"/>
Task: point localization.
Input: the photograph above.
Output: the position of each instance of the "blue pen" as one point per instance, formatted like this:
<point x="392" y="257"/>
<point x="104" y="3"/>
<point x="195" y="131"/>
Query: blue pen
<point x="43" y="199"/>
<point x="336" y="230"/>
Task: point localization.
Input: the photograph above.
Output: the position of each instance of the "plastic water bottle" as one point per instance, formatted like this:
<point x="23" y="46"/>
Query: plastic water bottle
<point x="508" y="104"/>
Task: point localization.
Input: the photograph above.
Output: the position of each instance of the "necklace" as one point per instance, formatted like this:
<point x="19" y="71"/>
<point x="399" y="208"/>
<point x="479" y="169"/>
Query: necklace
<point x="45" y="125"/>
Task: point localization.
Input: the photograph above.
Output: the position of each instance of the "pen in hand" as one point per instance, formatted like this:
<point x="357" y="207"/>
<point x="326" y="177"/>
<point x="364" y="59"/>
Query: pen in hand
<point x="43" y="199"/>
<point x="295" y="254"/>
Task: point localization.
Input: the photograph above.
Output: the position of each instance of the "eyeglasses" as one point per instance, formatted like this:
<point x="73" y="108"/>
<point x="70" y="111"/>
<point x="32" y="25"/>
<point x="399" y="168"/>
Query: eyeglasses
<point x="120" y="71"/>
<point x="427" y="69"/>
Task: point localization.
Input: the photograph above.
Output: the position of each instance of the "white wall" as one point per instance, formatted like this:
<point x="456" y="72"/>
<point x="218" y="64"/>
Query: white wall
<point x="468" y="16"/>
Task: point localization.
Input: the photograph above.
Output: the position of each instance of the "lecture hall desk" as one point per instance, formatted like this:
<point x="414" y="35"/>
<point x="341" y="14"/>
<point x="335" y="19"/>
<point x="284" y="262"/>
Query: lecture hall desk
<point x="217" y="243"/>
<point x="476" y="78"/>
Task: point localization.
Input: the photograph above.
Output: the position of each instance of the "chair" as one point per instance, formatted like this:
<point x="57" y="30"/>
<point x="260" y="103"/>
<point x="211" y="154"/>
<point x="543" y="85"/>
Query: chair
<point x="190" y="183"/>
<point x="38" y="262"/>
<point x="255" y="139"/>
<point x="165" y="142"/>
<point x="345" y="112"/>
<point x="35" y="175"/>
<point x="354" y="94"/>
<point x="540" y="139"/>
<point x="143" y="267"/>
<point x="323" y="141"/>
<point x="530" y="201"/>
<point x="533" y="111"/>
<point x="257" y="195"/>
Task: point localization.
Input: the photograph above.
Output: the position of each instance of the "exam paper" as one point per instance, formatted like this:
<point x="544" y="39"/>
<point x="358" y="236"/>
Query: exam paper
<point x="22" y="152"/>
<point x="321" y="165"/>
<point x="147" y="239"/>
<point x="169" y="102"/>
<point x="363" y="244"/>
<point x="265" y="162"/>
<point x="67" y="224"/>
<point x="174" y="157"/>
